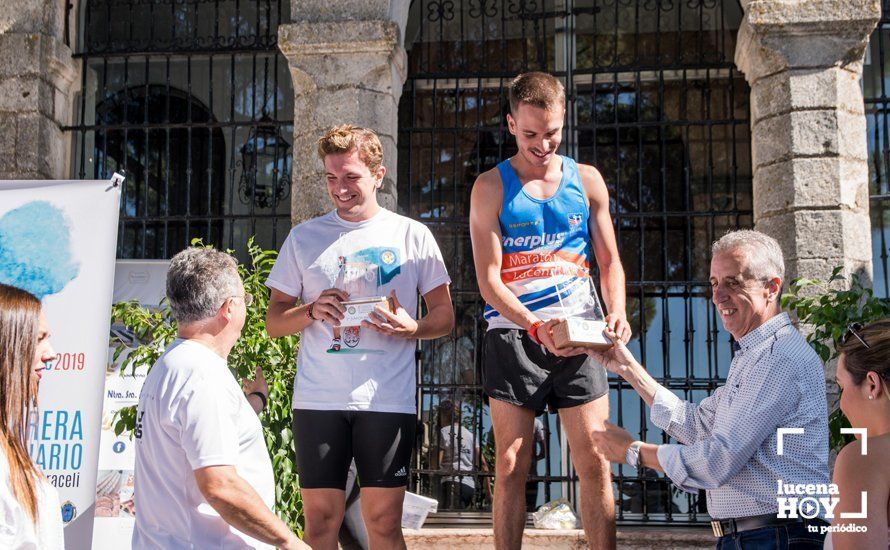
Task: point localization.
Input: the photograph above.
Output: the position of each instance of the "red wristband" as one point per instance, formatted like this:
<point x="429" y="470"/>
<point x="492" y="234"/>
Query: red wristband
<point x="533" y="331"/>
<point x="309" y="311"/>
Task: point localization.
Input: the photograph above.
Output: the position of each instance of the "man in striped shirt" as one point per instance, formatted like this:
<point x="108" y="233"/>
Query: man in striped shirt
<point x="729" y="444"/>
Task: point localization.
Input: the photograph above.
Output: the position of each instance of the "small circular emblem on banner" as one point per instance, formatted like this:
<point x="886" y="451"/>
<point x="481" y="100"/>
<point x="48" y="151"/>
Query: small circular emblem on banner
<point x="69" y="512"/>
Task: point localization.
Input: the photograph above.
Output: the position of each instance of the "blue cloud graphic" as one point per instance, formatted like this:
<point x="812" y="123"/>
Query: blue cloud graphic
<point x="35" y="249"/>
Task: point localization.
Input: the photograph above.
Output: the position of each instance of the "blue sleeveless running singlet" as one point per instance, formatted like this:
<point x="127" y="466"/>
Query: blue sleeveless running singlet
<point x="546" y="246"/>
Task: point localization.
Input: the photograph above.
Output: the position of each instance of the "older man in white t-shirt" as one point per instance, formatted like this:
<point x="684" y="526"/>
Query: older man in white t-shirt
<point x="203" y="474"/>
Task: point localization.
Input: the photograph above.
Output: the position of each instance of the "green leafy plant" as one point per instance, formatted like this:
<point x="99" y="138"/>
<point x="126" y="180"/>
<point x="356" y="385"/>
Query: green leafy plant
<point x="155" y="329"/>
<point x="828" y="312"/>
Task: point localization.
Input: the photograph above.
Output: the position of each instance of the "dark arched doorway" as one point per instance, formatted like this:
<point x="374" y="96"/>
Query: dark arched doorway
<point x="194" y="102"/>
<point x="161" y="179"/>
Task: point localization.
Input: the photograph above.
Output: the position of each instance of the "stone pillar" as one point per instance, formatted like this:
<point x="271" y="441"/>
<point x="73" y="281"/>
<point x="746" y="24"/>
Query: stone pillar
<point x="803" y="60"/>
<point x="344" y="71"/>
<point x="36" y="74"/>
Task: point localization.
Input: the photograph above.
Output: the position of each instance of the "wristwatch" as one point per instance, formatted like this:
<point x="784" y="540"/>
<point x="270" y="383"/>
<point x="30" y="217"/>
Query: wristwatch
<point x="632" y="455"/>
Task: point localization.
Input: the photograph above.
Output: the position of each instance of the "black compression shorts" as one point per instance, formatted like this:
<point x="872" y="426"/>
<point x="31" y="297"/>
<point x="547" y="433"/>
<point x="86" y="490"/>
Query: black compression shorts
<point x="327" y="441"/>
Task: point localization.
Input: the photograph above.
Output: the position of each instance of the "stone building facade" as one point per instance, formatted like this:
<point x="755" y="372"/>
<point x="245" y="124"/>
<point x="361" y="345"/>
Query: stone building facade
<point x="37" y="74"/>
<point x="803" y="61"/>
<point x="806" y="163"/>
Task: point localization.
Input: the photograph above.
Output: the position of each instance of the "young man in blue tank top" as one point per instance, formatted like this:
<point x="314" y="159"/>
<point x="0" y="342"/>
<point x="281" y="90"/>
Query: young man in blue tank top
<point x="535" y="221"/>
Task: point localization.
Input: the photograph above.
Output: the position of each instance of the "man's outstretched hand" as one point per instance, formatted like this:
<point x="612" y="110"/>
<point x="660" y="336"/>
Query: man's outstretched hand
<point x="617" y="359"/>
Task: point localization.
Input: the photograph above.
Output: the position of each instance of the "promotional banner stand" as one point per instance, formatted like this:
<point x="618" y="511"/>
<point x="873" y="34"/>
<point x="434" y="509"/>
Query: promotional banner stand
<point x="58" y="241"/>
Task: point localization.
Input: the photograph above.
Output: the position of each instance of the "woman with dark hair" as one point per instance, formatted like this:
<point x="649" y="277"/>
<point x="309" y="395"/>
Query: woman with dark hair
<point x="30" y="516"/>
<point x="863" y="375"/>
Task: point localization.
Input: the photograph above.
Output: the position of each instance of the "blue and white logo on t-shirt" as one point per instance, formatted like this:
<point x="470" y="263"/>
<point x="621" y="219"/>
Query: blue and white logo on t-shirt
<point x="385" y="259"/>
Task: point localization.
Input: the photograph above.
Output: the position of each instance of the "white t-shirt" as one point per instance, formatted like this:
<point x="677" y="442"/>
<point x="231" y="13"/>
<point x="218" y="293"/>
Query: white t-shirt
<point x="458" y="447"/>
<point x="371" y="371"/>
<point x="17" y="531"/>
<point x="193" y="414"/>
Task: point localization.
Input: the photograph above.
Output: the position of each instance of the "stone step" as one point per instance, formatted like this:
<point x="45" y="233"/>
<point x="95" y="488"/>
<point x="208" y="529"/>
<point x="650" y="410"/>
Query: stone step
<point x="630" y="538"/>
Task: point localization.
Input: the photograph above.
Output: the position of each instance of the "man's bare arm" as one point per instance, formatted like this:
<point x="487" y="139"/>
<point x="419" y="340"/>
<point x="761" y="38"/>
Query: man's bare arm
<point x="241" y="507"/>
<point x="605" y="247"/>
<point x="485" y="233"/>
<point x="438" y="321"/>
<point x="439" y="318"/>
<point x="285" y="316"/>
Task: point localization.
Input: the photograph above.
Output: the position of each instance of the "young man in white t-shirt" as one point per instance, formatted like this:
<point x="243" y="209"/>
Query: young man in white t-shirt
<point x="203" y="472"/>
<point x="354" y="395"/>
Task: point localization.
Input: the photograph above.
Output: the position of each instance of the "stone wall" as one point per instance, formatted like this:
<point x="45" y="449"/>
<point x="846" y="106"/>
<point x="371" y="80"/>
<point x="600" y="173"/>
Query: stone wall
<point x="348" y="66"/>
<point x="803" y="61"/>
<point x="36" y="74"/>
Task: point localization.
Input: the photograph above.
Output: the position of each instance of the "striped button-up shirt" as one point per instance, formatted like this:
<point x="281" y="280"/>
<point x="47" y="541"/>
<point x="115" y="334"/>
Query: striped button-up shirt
<point x="729" y="440"/>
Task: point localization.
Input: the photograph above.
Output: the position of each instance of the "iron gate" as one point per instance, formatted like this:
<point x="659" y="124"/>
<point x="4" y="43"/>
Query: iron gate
<point x="656" y="104"/>
<point x="193" y="101"/>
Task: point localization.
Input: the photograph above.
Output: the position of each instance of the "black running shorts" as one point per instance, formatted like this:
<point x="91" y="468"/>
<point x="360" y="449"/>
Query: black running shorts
<point x="520" y="371"/>
<point x="327" y="441"/>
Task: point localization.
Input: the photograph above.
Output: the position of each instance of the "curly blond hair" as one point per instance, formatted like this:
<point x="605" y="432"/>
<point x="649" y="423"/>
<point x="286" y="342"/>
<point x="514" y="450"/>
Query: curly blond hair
<point x="347" y="137"/>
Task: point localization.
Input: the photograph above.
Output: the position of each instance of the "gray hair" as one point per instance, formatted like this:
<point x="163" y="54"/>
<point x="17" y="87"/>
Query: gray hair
<point x="765" y="259"/>
<point x="199" y="281"/>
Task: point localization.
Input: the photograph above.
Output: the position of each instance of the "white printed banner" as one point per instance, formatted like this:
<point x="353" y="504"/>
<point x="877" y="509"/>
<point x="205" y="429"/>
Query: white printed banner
<point x="58" y="241"/>
<point x="143" y="281"/>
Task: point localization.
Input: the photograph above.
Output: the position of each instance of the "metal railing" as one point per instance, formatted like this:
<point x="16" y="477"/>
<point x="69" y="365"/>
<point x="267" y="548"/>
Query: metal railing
<point x="193" y="101"/>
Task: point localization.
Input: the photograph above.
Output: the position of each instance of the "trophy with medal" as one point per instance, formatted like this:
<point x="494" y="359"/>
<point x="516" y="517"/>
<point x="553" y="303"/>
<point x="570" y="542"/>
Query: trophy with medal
<point x="584" y="324"/>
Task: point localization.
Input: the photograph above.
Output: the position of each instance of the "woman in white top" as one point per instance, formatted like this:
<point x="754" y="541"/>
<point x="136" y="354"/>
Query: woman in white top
<point x="30" y="517"/>
<point x="863" y="374"/>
